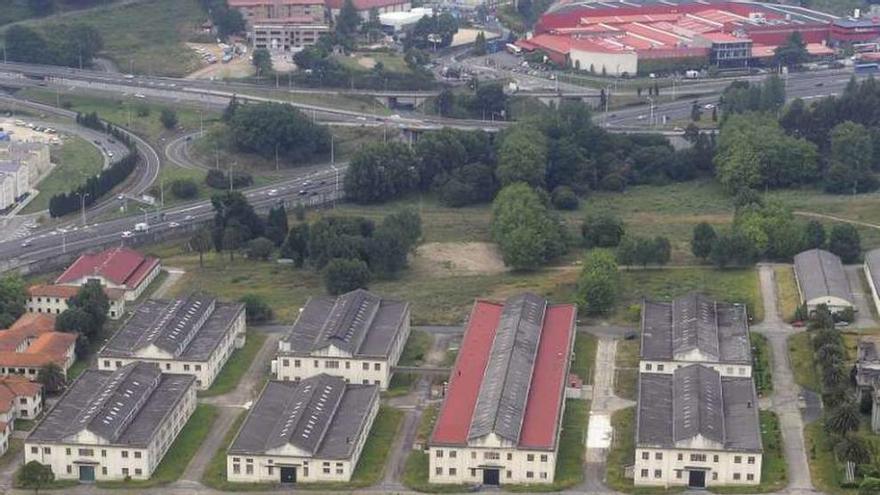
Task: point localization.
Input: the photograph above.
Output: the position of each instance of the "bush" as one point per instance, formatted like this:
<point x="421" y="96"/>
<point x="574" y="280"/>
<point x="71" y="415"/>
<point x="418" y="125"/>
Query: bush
<point x="220" y="180"/>
<point x="260" y="248"/>
<point x="564" y="198"/>
<point x="256" y="309"/>
<point x="184" y="188"/>
<point x="344" y="275"/>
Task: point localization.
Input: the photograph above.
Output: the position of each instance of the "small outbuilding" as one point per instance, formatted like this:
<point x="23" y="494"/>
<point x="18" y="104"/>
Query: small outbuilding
<point x="821" y="279"/>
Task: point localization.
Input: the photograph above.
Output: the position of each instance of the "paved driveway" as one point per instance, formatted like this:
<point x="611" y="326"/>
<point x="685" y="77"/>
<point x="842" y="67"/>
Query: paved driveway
<point x="861" y="296"/>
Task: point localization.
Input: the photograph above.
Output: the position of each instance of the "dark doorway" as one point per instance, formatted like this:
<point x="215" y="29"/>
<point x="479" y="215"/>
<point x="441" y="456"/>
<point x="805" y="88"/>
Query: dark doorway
<point x="491" y="477"/>
<point x="288" y="475"/>
<point x="87" y="473"/>
<point x="697" y="479"/>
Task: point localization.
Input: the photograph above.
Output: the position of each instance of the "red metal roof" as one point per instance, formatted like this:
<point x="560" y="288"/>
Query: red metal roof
<point x="544" y="405"/>
<point x="66" y="291"/>
<point x="120" y="265"/>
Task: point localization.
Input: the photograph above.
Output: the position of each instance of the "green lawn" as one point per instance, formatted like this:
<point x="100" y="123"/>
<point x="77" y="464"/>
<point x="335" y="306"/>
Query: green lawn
<point x="787" y="295"/>
<point x="146" y="37"/>
<point x="401" y="384"/>
<point x="236" y="366"/>
<point x="800" y="353"/>
<point x="763" y="364"/>
<point x="391" y="62"/>
<point x="179" y="454"/>
<point x="626" y="363"/>
<point x="76" y="160"/>
<point x="773" y="467"/>
<point x="584" y="356"/>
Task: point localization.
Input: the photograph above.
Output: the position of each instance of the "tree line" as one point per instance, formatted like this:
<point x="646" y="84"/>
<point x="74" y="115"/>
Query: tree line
<point x="97" y="186"/>
<point x="69" y="45"/>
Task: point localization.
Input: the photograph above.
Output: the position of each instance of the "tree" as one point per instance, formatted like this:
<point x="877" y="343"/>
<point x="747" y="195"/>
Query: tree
<point x="870" y="486"/>
<point x="489" y="101"/>
<point x="405" y="224"/>
<point x="444" y="103"/>
<point x="696" y="112"/>
<point x="51" y="378"/>
<point x="201" y="243"/>
<point x="845" y="242"/>
<point x="387" y="251"/>
<point x="732" y="248"/>
<point x="794" y="52"/>
<point x="184" y="188"/>
<point x="814" y="235"/>
<point x="296" y="246"/>
<point x="522" y="157"/>
<point x="168" y="117"/>
<point x="563" y="198"/>
<point x="380" y="172"/>
<point x="598" y="283"/>
<point x="277" y="130"/>
<point x="35" y="475"/>
<point x="602" y="230"/>
<point x="262" y="60"/>
<point x="23" y="44"/>
<point x="232" y="209"/>
<point x="852" y="153"/>
<point x="232" y="239"/>
<point x="276" y="225"/>
<point x="256" y="309"/>
<point x="347" y="22"/>
<point x="703" y="240"/>
<point x="852" y="449"/>
<point x="86" y="313"/>
<point x="479" y="48"/>
<point x="643" y="251"/>
<point x="345" y="275"/>
<point x="13" y="300"/>
<point x="260" y="248"/>
<point x="527" y="233"/>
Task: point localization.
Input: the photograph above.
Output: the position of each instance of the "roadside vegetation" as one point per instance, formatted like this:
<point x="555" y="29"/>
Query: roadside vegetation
<point x="584" y="356"/>
<point x="786" y="292"/>
<point x="762" y="364"/>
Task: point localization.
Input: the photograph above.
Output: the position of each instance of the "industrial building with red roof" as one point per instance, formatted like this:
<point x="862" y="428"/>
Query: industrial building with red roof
<point x="116" y="268"/>
<point x="501" y="419"/>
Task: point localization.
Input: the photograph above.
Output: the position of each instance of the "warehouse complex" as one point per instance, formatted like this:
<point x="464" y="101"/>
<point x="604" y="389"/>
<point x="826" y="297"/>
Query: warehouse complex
<point x="358" y="336"/>
<point x="628" y="36"/>
<point x="501" y="419"/>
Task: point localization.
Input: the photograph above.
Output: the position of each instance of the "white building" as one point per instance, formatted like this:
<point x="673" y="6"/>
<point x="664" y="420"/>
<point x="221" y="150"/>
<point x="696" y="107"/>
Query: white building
<point x="308" y="431"/>
<point x="502" y="415"/>
<point x="35" y="156"/>
<point x="53" y="299"/>
<point x="364" y="7"/>
<point x="821" y="279"/>
<point x="115" y="268"/>
<point x="113" y="425"/>
<point x="19" y="171"/>
<point x="7" y="190"/>
<point x="396" y="22"/>
<point x="358" y="336"/>
<point x="697" y="428"/>
<point x="192" y="336"/>
<point x="695" y="329"/>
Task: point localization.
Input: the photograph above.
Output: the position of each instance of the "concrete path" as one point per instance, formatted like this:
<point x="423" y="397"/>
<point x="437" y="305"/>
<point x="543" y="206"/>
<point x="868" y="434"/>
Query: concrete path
<point x="785" y="400"/>
<point x="174" y="275"/>
<point x="192" y="476"/>
<point x="863" y="301"/>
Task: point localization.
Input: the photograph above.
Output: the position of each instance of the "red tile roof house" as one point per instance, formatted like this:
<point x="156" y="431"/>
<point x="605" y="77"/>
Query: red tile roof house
<point x="32" y="343"/>
<point x="502" y="416"/>
<point x="19" y="398"/>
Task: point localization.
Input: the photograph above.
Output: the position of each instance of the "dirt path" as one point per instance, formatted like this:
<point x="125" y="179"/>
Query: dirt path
<point x="811" y="214"/>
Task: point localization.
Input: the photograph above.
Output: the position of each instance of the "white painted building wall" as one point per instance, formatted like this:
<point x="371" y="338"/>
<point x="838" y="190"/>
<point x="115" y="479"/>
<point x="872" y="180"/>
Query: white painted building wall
<point x="875" y="296"/>
<point x="456" y="465"/>
<point x="7" y="190"/>
<point x="112" y="462"/>
<point x="669" y="467"/>
<point x="615" y="64"/>
<point x="57" y="305"/>
<point x="669" y="367"/>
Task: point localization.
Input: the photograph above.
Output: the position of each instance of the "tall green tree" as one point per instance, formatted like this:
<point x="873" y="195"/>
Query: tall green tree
<point x="814" y="235"/>
<point x="296" y="246"/>
<point x="602" y="230"/>
<point x="343" y="275"/>
<point x="277" y="129"/>
<point x="702" y="240"/>
<point x="35" y="475"/>
<point x="262" y="60"/>
<point x="845" y="242"/>
<point x="380" y="172"/>
<point x="599" y="282"/>
<point x="347" y="22"/>
<point x="232" y="210"/>
<point x="479" y="48"/>
<point x="793" y="52"/>
<point x="843" y="419"/>
<point x="51" y="378"/>
<point x="522" y="157"/>
<point x="168" y="117"/>
<point x="526" y="231"/>
<point x="276" y="225"/>
<point x="13" y="300"/>
<point x="201" y="243"/>
<point x="852" y="153"/>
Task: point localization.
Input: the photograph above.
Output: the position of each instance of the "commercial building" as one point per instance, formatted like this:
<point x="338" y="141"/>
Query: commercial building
<point x="283" y="25"/>
<point x="821" y="279"/>
<point x="397" y="22"/>
<point x="115" y="268"/>
<point x="7" y="190"/>
<point x="32" y="343"/>
<point x="364" y="7"/>
<point x="192" y="336"/>
<point x="872" y="275"/>
<point x="53" y="299"/>
<point x="501" y="419"/>
<point x="35" y="156"/>
<point x="113" y="425"/>
<point x="312" y="430"/>
<point x="358" y="336"/>
<point x="697" y="428"/>
<point x="18" y="171"/>
<point x="695" y="329"/>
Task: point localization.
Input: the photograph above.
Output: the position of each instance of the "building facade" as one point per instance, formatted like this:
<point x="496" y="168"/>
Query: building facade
<point x="18" y="171"/>
<point x="697" y="428"/>
<point x="193" y="336"/>
<point x="113" y="425"/>
<point x="35" y="156"/>
<point x="821" y="279"/>
<point x="358" y="336"/>
<point x="312" y="430"/>
<point x="118" y="268"/>
<point x="283" y="25"/>
<point x="502" y="414"/>
<point x="53" y="300"/>
<point x="32" y="343"/>
<point x="364" y="7"/>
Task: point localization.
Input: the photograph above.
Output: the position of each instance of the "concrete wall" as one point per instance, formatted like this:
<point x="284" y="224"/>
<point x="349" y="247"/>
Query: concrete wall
<point x="57" y="305"/>
<point x="668" y="467"/>
<point x="668" y="367"/>
<point x="615" y="64"/>
<point x="465" y="465"/>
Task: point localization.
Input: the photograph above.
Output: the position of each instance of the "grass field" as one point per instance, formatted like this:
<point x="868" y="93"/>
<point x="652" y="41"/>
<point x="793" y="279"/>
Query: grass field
<point x="76" y="160"/>
<point x="763" y="364"/>
<point x="236" y="366"/>
<point x="179" y="454"/>
<point x="391" y="62"/>
<point x="786" y="291"/>
<point x="626" y="374"/>
<point x="800" y="353"/>
<point x="584" y="356"/>
<point x="414" y="353"/>
<point x="773" y="467"/>
<point x="147" y="37"/>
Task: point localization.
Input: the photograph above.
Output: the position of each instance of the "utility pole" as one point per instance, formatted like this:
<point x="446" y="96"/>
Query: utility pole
<point x="82" y="198"/>
<point x="276" y="154"/>
<point x="332" y="154"/>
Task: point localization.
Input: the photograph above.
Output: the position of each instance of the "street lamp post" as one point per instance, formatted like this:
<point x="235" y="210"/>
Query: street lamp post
<point x="82" y="198"/>
<point x="336" y="187"/>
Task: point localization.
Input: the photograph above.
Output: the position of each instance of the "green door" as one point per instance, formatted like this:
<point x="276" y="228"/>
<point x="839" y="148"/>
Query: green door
<point x="87" y="473"/>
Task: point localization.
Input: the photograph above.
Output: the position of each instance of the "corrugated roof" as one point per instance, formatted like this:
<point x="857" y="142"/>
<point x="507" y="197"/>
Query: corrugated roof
<point x="820" y="274"/>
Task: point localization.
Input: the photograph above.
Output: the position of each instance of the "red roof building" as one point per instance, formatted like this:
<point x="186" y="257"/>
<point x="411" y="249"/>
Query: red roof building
<point x="116" y="268"/>
<point x="32" y="343"/>
<point x="52" y="299"/>
<point x="501" y="419"/>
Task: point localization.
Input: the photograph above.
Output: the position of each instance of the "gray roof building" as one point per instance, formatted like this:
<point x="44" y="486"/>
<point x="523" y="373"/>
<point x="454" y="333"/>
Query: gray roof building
<point x="185" y="329"/>
<point x="359" y="323"/>
<point x="695" y="328"/>
<point x="697" y="402"/>
<point x="321" y="416"/>
<point x="820" y="275"/>
<point x="124" y="407"/>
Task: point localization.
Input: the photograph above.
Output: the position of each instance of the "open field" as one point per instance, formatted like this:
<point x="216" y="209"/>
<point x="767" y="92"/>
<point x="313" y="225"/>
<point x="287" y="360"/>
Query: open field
<point x="626" y="373"/>
<point x="179" y="454"/>
<point x="236" y="366"/>
<point x="146" y="38"/>
<point x="584" y="356"/>
<point x="76" y="160"/>
<point x="365" y="61"/>
<point x="800" y="353"/>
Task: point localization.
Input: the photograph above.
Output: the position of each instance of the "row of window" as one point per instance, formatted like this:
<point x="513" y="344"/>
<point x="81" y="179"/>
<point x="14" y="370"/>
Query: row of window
<point x="658" y="473"/>
<point x="83" y="452"/>
<point x="330" y="364"/>
<point x="125" y="471"/>
<point x="658" y="456"/>
<point x="661" y="367"/>
<point x="488" y="455"/>
<point x="454" y="472"/>
<point x="186" y="367"/>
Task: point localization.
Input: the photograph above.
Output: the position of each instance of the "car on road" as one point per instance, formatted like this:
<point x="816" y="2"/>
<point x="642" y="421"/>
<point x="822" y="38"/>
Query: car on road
<point x="120" y="197"/>
<point x="174" y="225"/>
<point x="139" y="95"/>
<point x="303" y="192"/>
<point x="708" y="106"/>
<point x="110" y="154"/>
<point x="272" y="192"/>
<point x="126" y="234"/>
<point x="188" y="217"/>
<point x="26" y="243"/>
<point x="640" y="117"/>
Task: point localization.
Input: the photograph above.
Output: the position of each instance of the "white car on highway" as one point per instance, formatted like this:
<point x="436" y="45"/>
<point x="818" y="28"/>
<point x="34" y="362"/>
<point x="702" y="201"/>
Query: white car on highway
<point x="126" y="234"/>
